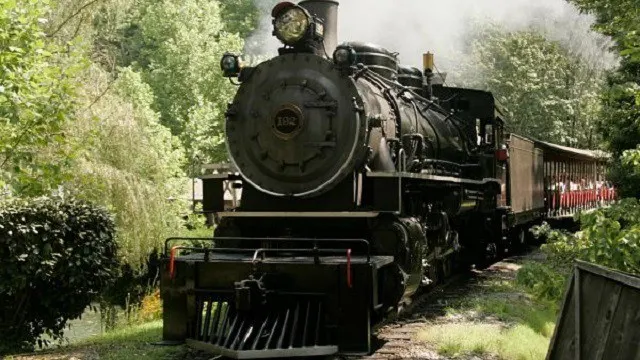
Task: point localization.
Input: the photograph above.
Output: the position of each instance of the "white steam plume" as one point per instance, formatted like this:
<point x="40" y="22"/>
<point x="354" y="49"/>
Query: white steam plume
<point x="411" y="27"/>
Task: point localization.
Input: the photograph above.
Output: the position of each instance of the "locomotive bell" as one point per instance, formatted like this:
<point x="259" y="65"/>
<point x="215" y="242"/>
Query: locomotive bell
<point x="427" y="62"/>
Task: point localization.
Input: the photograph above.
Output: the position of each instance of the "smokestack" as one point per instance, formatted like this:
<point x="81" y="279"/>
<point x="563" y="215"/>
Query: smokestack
<point x="327" y="10"/>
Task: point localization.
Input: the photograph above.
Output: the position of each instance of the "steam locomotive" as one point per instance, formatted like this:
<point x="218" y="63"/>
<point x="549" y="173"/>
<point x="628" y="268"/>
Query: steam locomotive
<point x="363" y="182"/>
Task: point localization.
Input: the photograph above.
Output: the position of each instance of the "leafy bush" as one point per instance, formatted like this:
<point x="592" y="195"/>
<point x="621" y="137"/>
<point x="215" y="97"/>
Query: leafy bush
<point x="542" y="281"/>
<point x="57" y="255"/>
<point x="625" y="171"/>
<point x="150" y="308"/>
<point x="608" y="236"/>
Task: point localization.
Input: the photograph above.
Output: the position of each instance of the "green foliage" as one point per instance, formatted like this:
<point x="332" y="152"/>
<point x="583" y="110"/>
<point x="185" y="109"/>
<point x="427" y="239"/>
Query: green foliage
<point x="631" y="158"/>
<point x="100" y="99"/>
<point x="240" y="16"/>
<point x="57" y="256"/>
<point x="129" y="163"/>
<point x="177" y="46"/>
<point x="542" y="281"/>
<point x="607" y="236"/>
<point x="36" y="100"/>
<point x="619" y="19"/>
<point x="620" y="127"/>
<point x="625" y="173"/>
<point x="123" y="157"/>
<point x="620" y="123"/>
<point x="547" y="92"/>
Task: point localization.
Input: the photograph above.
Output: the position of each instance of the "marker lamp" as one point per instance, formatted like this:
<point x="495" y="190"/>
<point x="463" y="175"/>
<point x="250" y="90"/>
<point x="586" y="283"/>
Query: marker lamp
<point x="344" y="56"/>
<point x="230" y="65"/>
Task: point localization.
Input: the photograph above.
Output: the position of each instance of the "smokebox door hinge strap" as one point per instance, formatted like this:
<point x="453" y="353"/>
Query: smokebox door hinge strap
<point x="330" y="106"/>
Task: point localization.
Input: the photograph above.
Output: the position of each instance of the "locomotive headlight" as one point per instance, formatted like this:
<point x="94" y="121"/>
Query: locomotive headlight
<point x="230" y="65"/>
<point x="291" y="23"/>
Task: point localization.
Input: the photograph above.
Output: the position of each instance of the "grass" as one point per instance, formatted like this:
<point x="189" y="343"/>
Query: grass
<point x="129" y="343"/>
<point x="538" y="317"/>
<point x="500" y="320"/>
<point x="517" y="342"/>
<point x="133" y="342"/>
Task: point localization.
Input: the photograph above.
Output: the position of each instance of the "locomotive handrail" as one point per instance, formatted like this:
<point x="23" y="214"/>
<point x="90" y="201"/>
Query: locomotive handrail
<point x="308" y="240"/>
<point x="263" y="251"/>
<point x="402" y="161"/>
<point x="404" y="88"/>
<point x="207" y="251"/>
<point x="168" y="240"/>
<point x="172" y="257"/>
<point x="256" y="252"/>
<point x="444" y="162"/>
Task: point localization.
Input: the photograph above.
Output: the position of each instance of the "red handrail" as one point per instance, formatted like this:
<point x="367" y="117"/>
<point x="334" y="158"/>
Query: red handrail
<point x="349" y="283"/>
<point x="172" y="260"/>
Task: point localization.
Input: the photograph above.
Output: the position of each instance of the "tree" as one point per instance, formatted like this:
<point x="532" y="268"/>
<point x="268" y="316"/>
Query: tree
<point x="548" y="93"/>
<point x="620" y="125"/>
<point x="240" y="16"/>
<point x="36" y="100"/>
<point x="66" y="122"/>
<point x="619" y="19"/>
<point x="129" y="162"/>
<point x="99" y="98"/>
<point x="177" y="47"/>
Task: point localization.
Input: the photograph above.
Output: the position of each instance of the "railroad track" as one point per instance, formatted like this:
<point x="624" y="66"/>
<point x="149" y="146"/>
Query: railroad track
<point x="396" y="337"/>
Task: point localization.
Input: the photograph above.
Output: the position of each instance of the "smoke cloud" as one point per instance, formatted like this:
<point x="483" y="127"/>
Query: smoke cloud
<point x="412" y="27"/>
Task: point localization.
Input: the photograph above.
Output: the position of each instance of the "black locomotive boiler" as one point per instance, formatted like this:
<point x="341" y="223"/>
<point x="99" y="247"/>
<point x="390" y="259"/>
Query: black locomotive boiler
<point x="362" y="180"/>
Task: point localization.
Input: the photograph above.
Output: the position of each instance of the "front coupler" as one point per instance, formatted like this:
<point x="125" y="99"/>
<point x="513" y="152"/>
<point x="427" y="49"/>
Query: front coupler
<point x="273" y="302"/>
